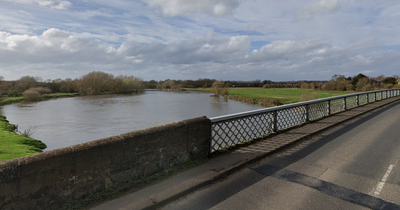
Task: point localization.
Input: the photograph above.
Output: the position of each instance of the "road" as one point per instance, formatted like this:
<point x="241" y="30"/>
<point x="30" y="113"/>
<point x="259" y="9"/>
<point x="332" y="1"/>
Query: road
<point x="351" y="166"/>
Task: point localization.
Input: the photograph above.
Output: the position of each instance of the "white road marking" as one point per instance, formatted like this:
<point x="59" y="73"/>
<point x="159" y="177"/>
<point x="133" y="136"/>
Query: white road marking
<point x="380" y="185"/>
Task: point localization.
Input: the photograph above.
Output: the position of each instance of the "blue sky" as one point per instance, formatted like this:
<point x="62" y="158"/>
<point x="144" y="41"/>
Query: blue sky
<point x="191" y="39"/>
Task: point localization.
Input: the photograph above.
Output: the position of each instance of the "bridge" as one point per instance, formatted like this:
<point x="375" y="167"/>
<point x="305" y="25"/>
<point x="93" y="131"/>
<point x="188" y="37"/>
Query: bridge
<point x="279" y="134"/>
<point x="354" y="165"/>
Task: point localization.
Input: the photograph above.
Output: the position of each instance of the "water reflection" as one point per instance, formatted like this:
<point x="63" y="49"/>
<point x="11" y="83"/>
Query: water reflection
<point x="68" y="121"/>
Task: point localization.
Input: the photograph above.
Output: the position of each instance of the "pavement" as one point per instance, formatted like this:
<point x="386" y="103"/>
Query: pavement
<point x="220" y="166"/>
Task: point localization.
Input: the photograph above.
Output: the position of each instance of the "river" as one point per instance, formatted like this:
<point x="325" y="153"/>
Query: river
<point x="68" y="121"/>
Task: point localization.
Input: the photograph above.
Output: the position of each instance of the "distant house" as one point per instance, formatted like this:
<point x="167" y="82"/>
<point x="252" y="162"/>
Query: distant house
<point x="376" y="82"/>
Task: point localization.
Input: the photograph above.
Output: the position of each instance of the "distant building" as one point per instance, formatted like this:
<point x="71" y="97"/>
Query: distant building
<point x="376" y="82"/>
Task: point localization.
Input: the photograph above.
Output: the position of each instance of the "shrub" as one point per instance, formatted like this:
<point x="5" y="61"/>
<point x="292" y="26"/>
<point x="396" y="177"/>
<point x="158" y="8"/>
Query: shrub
<point x="219" y="87"/>
<point x="41" y="90"/>
<point x="32" y="95"/>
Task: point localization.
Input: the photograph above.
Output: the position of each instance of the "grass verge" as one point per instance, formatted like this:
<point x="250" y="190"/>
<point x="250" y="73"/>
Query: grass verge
<point x="10" y="100"/>
<point x="14" y="145"/>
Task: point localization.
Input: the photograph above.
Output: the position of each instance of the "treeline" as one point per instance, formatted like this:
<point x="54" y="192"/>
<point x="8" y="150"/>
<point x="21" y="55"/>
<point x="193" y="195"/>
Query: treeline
<point x="359" y="82"/>
<point x="98" y="82"/>
<point x="207" y="83"/>
<point x="93" y="83"/>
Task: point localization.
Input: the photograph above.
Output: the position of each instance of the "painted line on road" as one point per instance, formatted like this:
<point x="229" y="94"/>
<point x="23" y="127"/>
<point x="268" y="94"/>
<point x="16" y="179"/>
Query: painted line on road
<point x="381" y="184"/>
<point x="327" y="188"/>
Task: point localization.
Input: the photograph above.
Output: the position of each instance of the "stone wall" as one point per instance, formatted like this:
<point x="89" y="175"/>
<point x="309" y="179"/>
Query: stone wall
<point x="49" y="179"/>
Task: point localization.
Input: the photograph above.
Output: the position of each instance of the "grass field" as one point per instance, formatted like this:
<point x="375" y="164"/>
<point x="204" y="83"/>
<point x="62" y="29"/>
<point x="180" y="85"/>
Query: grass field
<point x="274" y="96"/>
<point x="14" y="145"/>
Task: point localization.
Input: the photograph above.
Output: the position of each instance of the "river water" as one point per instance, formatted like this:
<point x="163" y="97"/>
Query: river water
<point x="68" y="121"/>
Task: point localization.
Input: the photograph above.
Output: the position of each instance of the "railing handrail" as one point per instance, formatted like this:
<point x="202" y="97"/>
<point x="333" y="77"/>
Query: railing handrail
<point x="271" y="109"/>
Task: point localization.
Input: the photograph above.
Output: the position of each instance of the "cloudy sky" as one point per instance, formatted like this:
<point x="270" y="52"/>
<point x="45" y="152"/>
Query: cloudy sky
<point x="190" y="39"/>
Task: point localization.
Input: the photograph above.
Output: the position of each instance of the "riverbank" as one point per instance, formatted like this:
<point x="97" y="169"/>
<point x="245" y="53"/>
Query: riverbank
<point x="10" y="100"/>
<point x="274" y="96"/>
<point x="15" y="145"/>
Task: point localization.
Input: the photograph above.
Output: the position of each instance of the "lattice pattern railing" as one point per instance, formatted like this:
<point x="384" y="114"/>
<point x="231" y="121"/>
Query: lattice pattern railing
<point x="234" y="129"/>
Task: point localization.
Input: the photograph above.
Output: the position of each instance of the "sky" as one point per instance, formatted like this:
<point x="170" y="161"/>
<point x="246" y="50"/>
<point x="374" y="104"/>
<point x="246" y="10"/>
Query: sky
<point x="239" y="40"/>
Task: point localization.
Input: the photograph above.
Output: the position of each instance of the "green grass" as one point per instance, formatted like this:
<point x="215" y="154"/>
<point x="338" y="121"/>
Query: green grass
<point x="10" y="100"/>
<point x="14" y="145"/>
<point x="273" y="96"/>
<point x="287" y="95"/>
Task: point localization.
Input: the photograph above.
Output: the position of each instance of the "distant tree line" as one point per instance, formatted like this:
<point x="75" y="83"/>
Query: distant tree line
<point x="359" y="82"/>
<point x="98" y="82"/>
<point x="93" y="83"/>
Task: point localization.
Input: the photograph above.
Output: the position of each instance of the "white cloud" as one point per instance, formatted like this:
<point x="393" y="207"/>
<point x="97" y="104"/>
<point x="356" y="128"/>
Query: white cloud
<point x="53" y="4"/>
<point x="52" y="46"/>
<point x="207" y="48"/>
<point x="322" y="7"/>
<point x="172" y="8"/>
<point x="212" y="55"/>
<point x="279" y="50"/>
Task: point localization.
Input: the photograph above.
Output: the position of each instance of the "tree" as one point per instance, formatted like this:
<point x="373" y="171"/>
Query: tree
<point x="219" y="87"/>
<point x="26" y="82"/>
<point x="95" y="83"/>
<point x="356" y="78"/>
<point x="130" y="84"/>
<point x="390" y="80"/>
<point x="363" y="84"/>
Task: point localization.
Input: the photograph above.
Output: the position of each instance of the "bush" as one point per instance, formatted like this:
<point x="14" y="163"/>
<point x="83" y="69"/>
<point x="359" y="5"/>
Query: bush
<point x="219" y="87"/>
<point x="41" y="90"/>
<point x="32" y="95"/>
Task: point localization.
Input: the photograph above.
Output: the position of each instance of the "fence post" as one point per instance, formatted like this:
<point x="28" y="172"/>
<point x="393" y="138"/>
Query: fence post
<point x="374" y="96"/>
<point x="345" y="104"/>
<point x="357" y="100"/>
<point x="329" y="107"/>
<point x="275" y="121"/>
<point x="307" y="113"/>
<point x="367" y="98"/>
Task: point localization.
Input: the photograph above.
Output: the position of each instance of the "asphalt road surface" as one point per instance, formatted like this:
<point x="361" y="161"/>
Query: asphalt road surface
<point x="351" y="166"/>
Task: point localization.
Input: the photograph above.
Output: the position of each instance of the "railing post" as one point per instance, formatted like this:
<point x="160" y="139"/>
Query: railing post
<point x="381" y="95"/>
<point x="329" y="107"/>
<point x="374" y="96"/>
<point x="357" y="100"/>
<point x="345" y="104"/>
<point x="275" y="121"/>
<point x="367" y="98"/>
<point x="307" y="117"/>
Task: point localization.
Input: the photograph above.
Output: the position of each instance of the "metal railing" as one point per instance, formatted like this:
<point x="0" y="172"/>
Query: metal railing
<point x="237" y="128"/>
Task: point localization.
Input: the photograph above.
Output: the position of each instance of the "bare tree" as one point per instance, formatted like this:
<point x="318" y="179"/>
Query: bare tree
<point x="219" y="87"/>
<point x="95" y="82"/>
<point x="26" y="82"/>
